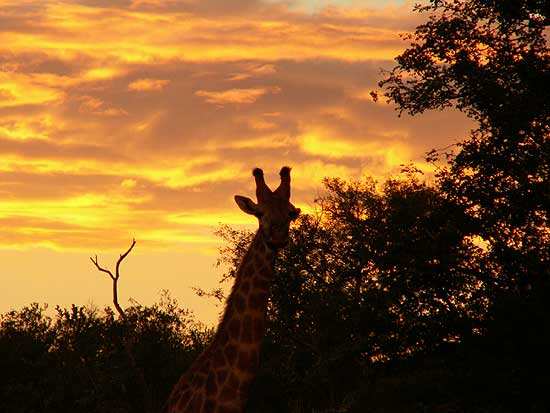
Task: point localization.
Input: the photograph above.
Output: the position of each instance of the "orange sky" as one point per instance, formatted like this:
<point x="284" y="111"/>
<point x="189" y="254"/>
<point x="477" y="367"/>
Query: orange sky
<point x="143" y="118"/>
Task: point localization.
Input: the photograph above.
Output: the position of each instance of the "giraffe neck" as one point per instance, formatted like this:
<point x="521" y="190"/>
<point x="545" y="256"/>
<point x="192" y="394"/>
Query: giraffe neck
<point x="241" y="330"/>
<point x="219" y="379"/>
<point x="248" y="299"/>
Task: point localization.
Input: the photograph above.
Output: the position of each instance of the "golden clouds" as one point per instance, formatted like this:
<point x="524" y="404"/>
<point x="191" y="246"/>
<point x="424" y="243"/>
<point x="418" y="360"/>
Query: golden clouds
<point x="19" y="89"/>
<point x="144" y="118"/>
<point x="185" y="177"/>
<point x="393" y="153"/>
<point x="141" y="35"/>
<point x="252" y="70"/>
<point x="242" y="96"/>
<point x="128" y="183"/>
<point x="101" y="73"/>
<point x="380" y="157"/>
<point x="98" y="107"/>
<point x="29" y="127"/>
<point x="307" y="176"/>
<point x="148" y="85"/>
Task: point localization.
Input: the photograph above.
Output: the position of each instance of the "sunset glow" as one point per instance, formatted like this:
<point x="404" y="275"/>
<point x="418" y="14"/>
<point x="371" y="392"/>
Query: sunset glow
<point x="122" y="119"/>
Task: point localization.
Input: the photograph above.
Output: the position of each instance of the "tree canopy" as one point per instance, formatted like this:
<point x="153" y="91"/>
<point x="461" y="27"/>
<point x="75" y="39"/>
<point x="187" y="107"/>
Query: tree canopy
<point x="491" y="60"/>
<point x="74" y="358"/>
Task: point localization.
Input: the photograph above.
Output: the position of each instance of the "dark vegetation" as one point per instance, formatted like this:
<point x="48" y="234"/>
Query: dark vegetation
<point x="401" y="297"/>
<point x="76" y="360"/>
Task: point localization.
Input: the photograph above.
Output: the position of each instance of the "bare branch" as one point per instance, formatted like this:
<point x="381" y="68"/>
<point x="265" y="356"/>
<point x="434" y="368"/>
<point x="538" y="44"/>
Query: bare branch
<point x="121" y="258"/>
<point x="101" y="268"/>
<point x="115" y="277"/>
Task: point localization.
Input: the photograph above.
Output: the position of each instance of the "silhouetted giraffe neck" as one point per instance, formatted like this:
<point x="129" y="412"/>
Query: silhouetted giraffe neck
<point x="219" y="379"/>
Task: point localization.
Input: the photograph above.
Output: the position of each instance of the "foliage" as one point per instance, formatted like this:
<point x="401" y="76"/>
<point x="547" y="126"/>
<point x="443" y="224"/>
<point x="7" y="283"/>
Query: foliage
<point x="74" y="359"/>
<point x="491" y="60"/>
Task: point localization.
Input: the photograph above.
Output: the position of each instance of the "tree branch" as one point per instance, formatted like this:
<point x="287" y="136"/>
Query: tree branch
<point x="115" y="277"/>
<point x="121" y="258"/>
<point x="101" y="268"/>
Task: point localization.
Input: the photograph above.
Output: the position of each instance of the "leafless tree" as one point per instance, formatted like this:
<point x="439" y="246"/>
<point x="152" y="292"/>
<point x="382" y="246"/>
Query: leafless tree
<point x="115" y="278"/>
<point x="129" y="340"/>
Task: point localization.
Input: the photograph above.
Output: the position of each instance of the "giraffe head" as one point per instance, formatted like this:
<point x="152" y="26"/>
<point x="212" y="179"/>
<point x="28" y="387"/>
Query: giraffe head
<point x="273" y="210"/>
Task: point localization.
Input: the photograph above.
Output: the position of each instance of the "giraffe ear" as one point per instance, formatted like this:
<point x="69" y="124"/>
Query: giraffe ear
<point x="247" y="205"/>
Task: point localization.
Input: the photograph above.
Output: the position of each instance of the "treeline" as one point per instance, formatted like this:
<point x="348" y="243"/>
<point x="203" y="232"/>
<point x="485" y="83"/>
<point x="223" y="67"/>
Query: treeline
<point x="75" y="360"/>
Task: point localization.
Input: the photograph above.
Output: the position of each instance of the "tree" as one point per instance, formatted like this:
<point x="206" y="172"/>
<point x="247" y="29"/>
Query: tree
<point x="26" y="363"/>
<point x="491" y="60"/>
<point x="378" y="275"/>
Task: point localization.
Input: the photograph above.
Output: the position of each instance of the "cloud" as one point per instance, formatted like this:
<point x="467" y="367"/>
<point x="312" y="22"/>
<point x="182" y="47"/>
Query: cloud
<point x="394" y="153"/>
<point x="235" y="96"/>
<point x="90" y="104"/>
<point x="128" y="183"/>
<point x="193" y="31"/>
<point x="27" y="128"/>
<point x="18" y="89"/>
<point x="102" y="73"/>
<point x="148" y="85"/>
<point x="253" y="70"/>
<point x="143" y="118"/>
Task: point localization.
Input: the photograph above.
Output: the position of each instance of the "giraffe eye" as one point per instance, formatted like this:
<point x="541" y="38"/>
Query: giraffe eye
<point x="259" y="214"/>
<point x="294" y="213"/>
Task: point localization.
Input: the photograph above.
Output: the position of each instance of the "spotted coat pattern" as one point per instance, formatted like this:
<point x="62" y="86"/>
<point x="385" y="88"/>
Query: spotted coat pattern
<point x="218" y="381"/>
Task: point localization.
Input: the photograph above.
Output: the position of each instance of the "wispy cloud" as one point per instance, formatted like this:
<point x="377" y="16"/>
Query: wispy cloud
<point x="142" y="118"/>
<point x="148" y="85"/>
<point x="242" y="96"/>
<point x="145" y="117"/>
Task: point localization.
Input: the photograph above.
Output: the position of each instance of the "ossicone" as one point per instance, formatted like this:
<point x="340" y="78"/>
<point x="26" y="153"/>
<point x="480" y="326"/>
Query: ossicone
<point x="284" y="188"/>
<point x="262" y="191"/>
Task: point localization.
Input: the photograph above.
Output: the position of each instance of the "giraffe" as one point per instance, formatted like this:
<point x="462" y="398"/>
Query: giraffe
<point x="219" y="379"/>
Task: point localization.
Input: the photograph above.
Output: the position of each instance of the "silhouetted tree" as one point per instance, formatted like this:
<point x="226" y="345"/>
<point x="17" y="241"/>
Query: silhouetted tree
<point x="75" y="361"/>
<point x="26" y="363"/>
<point x="491" y="60"/>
